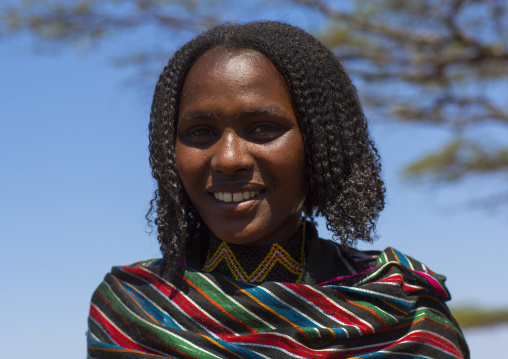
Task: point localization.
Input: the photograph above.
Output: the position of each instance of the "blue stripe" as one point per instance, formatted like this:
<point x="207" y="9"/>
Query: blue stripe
<point x="275" y="304"/>
<point x="380" y="355"/>
<point x="402" y="258"/>
<point x="92" y="342"/>
<point x="89" y="336"/>
<point x="147" y="306"/>
<point x="244" y="353"/>
<point x="339" y="332"/>
<point x="406" y="305"/>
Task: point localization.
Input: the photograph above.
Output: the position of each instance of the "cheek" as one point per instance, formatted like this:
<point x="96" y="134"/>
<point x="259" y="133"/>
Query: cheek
<point x="288" y="162"/>
<point x="188" y="164"/>
<point x="298" y="172"/>
<point x="294" y="154"/>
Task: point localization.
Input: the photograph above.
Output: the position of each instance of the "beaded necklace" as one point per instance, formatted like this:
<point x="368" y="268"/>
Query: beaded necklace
<point x="281" y="262"/>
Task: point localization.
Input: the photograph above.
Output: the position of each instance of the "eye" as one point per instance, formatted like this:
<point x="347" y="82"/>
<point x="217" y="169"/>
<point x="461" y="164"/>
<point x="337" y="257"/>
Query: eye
<point x="200" y="132"/>
<point x="199" y="135"/>
<point x="266" y="131"/>
<point x="263" y="129"/>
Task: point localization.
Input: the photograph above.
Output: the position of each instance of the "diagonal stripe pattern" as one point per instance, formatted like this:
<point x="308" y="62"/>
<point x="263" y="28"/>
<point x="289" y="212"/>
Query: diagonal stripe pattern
<point x="393" y="310"/>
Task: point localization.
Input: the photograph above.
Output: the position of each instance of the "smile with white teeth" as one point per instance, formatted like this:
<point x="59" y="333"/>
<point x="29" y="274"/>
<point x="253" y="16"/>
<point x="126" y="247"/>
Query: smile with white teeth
<point x="235" y="197"/>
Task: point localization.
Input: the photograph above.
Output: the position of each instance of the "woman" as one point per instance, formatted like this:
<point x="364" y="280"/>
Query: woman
<point x="252" y="127"/>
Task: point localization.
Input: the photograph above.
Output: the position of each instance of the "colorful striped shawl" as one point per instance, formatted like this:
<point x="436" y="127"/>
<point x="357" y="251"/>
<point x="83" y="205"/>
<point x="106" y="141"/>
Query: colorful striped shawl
<point x="393" y="310"/>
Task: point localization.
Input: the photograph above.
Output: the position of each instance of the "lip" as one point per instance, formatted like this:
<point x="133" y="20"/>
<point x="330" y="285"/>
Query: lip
<point x="236" y="196"/>
<point x="236" y="207"/>
<point x="235" y="187"/>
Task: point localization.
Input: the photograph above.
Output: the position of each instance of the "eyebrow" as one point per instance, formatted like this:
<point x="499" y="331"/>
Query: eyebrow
<point x="266" y="110"/>
<point x="198" y="114"/>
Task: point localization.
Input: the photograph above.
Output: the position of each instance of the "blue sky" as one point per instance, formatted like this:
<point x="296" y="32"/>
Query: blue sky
<point x="76" y="185"/>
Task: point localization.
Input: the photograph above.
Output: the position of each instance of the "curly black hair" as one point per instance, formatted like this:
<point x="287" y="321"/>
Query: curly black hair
<point x="342" y="163"/>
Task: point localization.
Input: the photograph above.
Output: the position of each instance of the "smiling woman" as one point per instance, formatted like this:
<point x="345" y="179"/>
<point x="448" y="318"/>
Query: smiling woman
<point x="237" y="135"/>
<point x="255" y="129"/>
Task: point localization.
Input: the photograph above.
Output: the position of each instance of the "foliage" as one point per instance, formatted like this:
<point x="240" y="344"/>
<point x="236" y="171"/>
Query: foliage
<point x="458" y="159"/>
<point x="437" y="62"/>
<point x="473" y="317"/>
<point x="64" y="21"/>
<point x="431" y="62"/>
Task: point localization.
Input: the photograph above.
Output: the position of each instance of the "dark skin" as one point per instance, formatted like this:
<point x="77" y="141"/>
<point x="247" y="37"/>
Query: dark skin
<point x="239" y="150"/>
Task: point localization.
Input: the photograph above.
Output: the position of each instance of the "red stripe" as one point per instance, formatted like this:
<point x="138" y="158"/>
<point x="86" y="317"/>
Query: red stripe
<point x="279" y="341"/>
<point x="365" y="308"/>
<point x="429" y="339"/>
<point x="114" y="333"/>
<point x="399" y="279"/>
<point x="275" y="340"/>
<point x="330" y="308"/>
<point x="180" y="300"/>
<point x="294" y="347"/>
<point x="217" y="305"/>
<point x="451" y="346"/>
<point x="105" y="323"/>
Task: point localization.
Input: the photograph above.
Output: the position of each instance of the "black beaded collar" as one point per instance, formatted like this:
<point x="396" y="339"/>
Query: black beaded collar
<point x="281" y="262"/>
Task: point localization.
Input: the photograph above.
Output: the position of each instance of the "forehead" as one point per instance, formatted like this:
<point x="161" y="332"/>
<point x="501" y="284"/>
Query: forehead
<point x="232" y="62"/>
<point x="236" y="67"/>
<point x="233" y="79"/>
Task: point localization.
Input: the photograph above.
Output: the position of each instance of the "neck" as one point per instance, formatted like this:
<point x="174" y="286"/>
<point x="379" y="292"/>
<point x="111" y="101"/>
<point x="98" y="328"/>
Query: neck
<point x="280" y="261"/>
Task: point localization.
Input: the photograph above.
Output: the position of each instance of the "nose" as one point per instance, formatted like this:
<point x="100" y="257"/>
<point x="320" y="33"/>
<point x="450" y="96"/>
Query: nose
<point x="231" y="154"/>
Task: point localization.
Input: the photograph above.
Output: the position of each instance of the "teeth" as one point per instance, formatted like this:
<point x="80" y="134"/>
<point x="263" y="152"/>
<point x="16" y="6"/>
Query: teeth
<point x="235" y="197"/>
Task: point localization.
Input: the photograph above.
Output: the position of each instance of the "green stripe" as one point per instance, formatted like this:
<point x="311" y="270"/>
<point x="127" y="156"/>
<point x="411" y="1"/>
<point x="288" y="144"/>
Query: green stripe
<point x="224" y="302"/>
<point x="143" y="327"/>
<point x="382" y="270"/>
<point x="246" y="316"/>
<point x="387" y="318"/>
<point x="434" y="315"/>
<point x="382" y="259"/>
<point x="315" y="337"/>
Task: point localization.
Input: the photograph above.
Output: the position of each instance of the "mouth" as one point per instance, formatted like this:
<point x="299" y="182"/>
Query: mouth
<point x="235" y="196"/>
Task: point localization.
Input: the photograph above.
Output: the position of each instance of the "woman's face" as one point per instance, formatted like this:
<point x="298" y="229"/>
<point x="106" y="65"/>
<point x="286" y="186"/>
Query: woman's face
<point x="239" y="151"/>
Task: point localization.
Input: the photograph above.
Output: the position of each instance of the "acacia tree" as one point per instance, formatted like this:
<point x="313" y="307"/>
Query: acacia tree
<point x="443" y="62"/>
